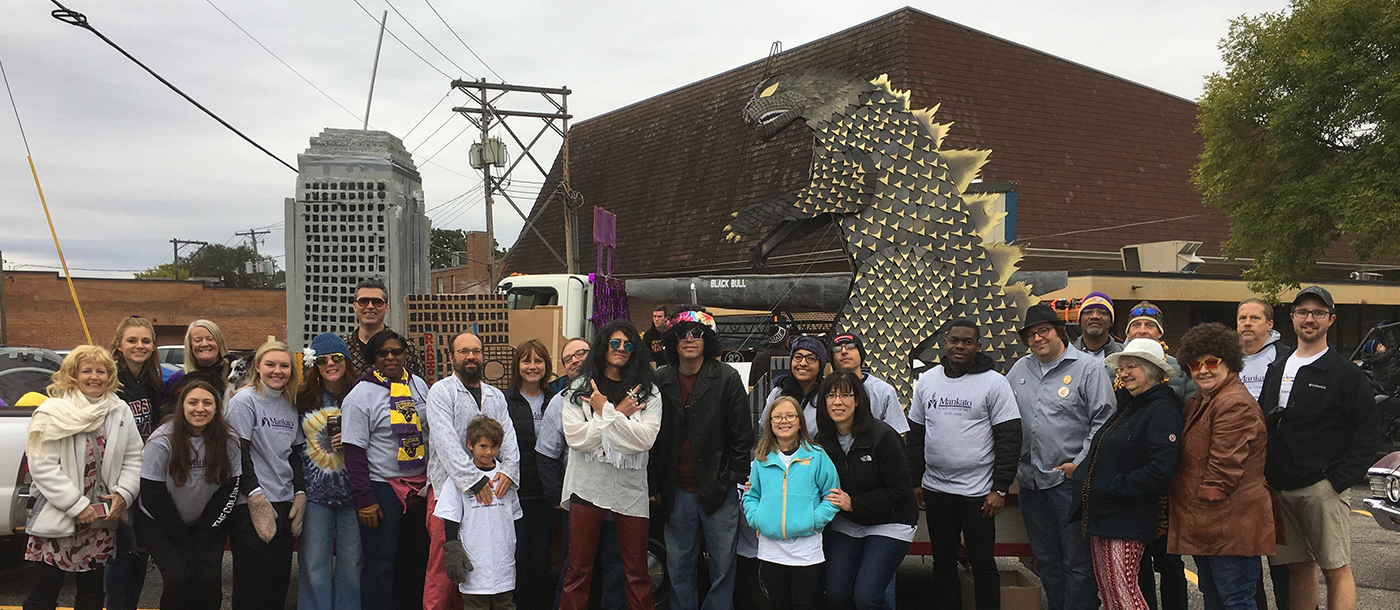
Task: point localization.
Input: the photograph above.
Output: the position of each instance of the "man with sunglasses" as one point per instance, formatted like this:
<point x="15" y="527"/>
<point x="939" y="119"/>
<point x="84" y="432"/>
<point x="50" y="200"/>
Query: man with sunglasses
<point x="371" y="306"/>
<point x="1323" y="431"/>
<point x="453" y="402"/>
<point x="701" y="454"/>
<point x="1064" y="398"/>
<point x="847" y="354"/>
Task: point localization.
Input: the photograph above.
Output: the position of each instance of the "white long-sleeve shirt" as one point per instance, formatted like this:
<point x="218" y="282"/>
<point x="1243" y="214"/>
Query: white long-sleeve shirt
<point x="590" y="475"/>
<point x="450" y="409"/>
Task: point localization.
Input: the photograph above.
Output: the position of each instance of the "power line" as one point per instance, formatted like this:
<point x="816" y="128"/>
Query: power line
<point x="279" y="59"/>
<point x="400" y="41"/>
<point x="430" y="136"/>
<point x="427" y="114"/>
<point x="75" y="18"/>
<point x="449" y="143"/>
<point x="425" y="39"/>
<point x="464" y="43"/>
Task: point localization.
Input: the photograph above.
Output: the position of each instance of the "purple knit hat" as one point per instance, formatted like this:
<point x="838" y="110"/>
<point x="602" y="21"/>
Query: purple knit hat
<point x="813" y="345"/>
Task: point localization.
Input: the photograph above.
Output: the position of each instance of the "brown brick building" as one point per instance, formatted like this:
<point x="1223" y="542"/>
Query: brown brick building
<point x="468" y="274"/>
<point x="39" y="312"/>
<point x="1097" y="162"/>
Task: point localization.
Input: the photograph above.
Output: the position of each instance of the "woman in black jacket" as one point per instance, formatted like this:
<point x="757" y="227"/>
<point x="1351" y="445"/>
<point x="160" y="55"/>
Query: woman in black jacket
<point x="189" y="483"/>
<point x="138" y="371"/>
<point x="1124" y="477"/>
<point x="526" y="399"/>
<point x="870" y="536"/>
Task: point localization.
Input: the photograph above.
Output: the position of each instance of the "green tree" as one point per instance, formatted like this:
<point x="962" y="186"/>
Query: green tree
<point x="227" y="264"/>
<point x="447" y="242"/>
<point x="1302" y="136"/>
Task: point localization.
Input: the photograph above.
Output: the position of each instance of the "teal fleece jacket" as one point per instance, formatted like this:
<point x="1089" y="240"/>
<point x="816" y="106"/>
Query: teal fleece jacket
<point x="783" y="504"/>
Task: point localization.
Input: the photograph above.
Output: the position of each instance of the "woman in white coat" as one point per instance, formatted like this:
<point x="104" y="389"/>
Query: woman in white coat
<point x="84" y="453"/>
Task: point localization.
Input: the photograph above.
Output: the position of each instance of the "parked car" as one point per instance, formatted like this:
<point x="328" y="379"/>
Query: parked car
<point x="171" y="358"/>
<point x="22" y="370"/>
<point x="1384" y="502"/>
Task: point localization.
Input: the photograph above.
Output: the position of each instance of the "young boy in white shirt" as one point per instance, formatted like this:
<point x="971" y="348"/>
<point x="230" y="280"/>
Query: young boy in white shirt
<point x="482" y="563"/>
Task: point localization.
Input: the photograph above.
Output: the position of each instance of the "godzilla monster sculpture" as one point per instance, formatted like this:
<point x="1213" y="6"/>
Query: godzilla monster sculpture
<point x="914" y="237"/>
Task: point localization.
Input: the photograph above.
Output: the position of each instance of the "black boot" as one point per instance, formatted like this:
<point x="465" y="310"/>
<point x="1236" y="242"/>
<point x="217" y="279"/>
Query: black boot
<point x="91" y="601"/>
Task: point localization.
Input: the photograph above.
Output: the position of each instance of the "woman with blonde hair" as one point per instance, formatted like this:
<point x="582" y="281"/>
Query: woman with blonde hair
<point x="138" y="375"/>
<point x="84" y="455"/>
<point x="268" y="517"/>
<point x="205" y="358"/>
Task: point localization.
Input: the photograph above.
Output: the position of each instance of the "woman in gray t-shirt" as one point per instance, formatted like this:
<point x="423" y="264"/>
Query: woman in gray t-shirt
<point x="189" y="483"/>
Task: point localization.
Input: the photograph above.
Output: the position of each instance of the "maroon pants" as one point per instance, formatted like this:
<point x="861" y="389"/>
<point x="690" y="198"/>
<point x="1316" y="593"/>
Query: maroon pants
<point x="585" y="523"/>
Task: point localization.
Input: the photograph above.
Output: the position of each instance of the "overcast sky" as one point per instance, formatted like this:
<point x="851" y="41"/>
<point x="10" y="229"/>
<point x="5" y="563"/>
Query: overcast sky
<point x="127" y="165"/>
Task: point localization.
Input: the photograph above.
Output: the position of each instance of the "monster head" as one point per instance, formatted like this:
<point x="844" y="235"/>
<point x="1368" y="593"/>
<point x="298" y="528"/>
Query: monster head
<point x="813" y="95"/>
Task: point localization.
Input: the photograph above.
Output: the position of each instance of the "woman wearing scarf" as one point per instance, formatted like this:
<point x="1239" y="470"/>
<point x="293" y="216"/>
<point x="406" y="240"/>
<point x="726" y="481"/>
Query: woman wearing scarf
<point x="386" y="455"/>
<point x="205" y="359"/>
<point x="84" y="455"/>
<point x="611" y="416"/>
<point x="269" y="516"/>
<point x="804" y="375"/>
<point x="139" y="375"/>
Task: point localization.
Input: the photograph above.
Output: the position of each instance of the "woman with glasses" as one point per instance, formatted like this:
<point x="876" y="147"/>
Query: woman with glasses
<point x="802" y="379"/>
<point x="205" y="359"/>
<point x="386" y="457"/>
<point x="268" y="518"/>
<point x="611" y="416"/>
<point x="1123" y="479"/>
<point x="870" y="536"/>
<point x="1221" y="510"/>
<point x="328" y="558"/>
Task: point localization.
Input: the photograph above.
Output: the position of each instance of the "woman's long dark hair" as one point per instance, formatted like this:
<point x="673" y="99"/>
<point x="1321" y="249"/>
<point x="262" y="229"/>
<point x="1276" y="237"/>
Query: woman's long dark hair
<point x="861" y="420"/>
<point x="217" y="435"/>
<point x="312" y="387"/>
<point x="636" y="372"/>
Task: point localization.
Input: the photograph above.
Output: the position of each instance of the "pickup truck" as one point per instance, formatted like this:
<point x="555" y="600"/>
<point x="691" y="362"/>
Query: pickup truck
<point x="22" y="370"/>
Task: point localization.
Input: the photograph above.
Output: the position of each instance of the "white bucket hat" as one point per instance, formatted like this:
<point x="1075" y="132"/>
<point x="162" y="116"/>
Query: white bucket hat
<point x="1148" y="350"/>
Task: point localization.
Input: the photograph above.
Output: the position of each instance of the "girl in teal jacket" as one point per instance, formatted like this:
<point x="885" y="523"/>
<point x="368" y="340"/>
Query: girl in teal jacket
<point x="786" y="504"/>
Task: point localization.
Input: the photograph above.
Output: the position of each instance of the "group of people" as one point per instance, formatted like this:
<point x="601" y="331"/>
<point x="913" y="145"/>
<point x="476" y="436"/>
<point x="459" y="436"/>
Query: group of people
<point x="399" y="494"/>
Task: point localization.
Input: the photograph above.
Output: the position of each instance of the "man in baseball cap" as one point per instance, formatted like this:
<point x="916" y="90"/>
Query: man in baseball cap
<point x="847" y="354"/>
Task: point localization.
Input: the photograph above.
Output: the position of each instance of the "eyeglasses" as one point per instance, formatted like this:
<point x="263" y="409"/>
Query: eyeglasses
<point x="370" y="302"/>
<point x="841" y="347"/>
<point x="808" y="358"/>
<point x="469" y="352"/>
<point x="1144" y="311"/>
<point x="578" y="355"/>
<point x="841" y="395"/>
<point x="693" y="334"/>
<point x="625" y="346"/>
<point x="329" y="358"/>
<point x="1318" y="314"/>
<point x="1209" y="362"/>
<point x="1041" y="332"/>
<point x="784" y="418"/>
<point x="385" y="353"/>
<point x="1128" y="366"/>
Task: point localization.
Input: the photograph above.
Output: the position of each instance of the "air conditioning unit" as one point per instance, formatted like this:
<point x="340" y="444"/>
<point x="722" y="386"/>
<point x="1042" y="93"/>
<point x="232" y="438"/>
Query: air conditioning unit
<point x="1162" y="257"/>
<point x="491" y="152"/>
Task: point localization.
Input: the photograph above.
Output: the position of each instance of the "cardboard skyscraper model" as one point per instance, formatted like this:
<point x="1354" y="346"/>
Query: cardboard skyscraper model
<point x="913" y="234"/>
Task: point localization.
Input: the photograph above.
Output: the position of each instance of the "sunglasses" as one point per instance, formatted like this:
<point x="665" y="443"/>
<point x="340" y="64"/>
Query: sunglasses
<point x="329" y="358"/>
<point x="841" y="347"/>
<point x="1209" y="363"/>
<point x="370" y="302"/>
<point x="385" y="353"/>
<point x="1144" y="311"/>
<point x="621" y="345"/>
<point x="693" y="334"/>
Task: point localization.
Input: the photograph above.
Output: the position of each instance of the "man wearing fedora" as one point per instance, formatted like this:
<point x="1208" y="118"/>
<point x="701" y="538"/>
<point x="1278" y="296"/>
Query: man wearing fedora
<point x="1323" y="432"/>
<point x="1064" y="396"/>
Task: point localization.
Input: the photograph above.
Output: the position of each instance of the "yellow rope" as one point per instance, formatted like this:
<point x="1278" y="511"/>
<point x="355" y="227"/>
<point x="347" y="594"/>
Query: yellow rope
<point x="68" y="276"/>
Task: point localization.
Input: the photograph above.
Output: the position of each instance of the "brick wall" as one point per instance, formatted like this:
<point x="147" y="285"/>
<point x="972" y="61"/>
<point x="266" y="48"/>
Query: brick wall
<point x="470" y="277"/>
<point x="39" y="311"/>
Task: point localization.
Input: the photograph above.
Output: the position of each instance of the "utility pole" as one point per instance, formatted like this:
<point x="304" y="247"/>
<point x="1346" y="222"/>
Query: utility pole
<point x="252" y="235"/>
<point x="4" y="334"/>
<point x="375" y="72"/>
<point x="183" y="242"/>
<point x="487" y="114"/>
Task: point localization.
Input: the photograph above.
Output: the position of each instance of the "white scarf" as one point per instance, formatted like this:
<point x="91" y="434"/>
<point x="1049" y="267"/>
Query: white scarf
<point x="60" y="417"/>
<point x="606" y="453"/>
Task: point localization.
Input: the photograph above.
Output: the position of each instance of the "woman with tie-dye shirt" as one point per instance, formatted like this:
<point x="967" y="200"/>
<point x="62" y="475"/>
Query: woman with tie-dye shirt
<point x="329" y="556"/>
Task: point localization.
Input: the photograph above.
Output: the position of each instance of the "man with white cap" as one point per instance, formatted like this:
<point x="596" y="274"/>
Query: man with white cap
<point x="1064" y="398"/>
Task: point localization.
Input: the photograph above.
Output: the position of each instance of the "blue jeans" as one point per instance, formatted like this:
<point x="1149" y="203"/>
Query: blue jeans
<point x="328" y="558"/>
<point x="1228" y="581"/>
<point x="687" y="524"/>
<point x="126" y="572"/>
<point x="608" y="562"/>
<point x="1062" y="557"/>
<point x="859" y="570"/>
<point x="394" y="554"/>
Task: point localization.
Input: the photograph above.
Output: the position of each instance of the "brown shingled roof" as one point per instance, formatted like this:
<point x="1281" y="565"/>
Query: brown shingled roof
<point x="1087" y="149"/>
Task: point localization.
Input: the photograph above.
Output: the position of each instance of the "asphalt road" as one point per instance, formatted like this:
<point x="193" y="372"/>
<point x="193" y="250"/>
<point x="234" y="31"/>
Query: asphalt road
<point x="1375" y="562"/>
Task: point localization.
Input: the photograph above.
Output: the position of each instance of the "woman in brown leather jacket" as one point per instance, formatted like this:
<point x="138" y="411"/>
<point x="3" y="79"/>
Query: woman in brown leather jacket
<point x="1221" y="511"/>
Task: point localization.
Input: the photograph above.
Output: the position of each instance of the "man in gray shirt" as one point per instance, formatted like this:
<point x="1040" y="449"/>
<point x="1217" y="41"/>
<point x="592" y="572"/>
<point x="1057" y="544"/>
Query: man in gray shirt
<point x="1064" y="397"/>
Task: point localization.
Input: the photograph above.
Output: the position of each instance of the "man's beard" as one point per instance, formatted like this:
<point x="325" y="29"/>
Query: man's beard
<point x="468" y="377"/>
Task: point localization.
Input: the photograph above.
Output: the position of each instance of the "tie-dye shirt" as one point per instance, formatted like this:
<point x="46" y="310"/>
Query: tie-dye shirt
<point x="327" y="482"/>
